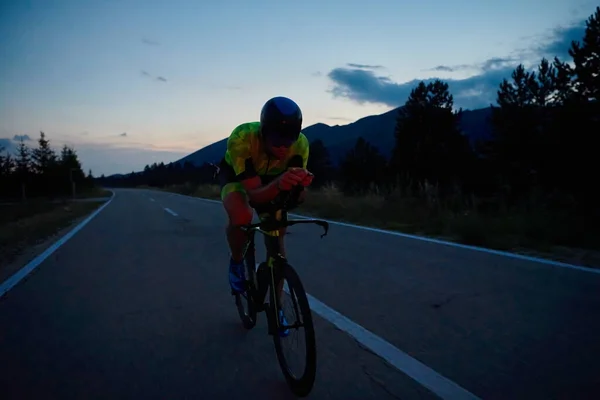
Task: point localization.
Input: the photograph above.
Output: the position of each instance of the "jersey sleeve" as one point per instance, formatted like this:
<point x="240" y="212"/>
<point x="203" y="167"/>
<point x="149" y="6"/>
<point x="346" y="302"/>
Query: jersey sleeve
<point x="303" y="150"/>
<point x="238" y="147"/>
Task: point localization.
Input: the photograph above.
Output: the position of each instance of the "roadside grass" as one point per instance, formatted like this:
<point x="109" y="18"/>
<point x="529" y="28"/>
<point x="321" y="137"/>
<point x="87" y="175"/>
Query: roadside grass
<point x="93" y="192"/>
<point x="87" y="193"/>
<point x="530" y="229"/>
<point x="23" y="225"/>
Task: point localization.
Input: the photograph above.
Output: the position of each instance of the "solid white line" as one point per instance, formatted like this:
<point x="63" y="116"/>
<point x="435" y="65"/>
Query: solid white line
<point x="33" y="264"/>
<point x="173" y="213"/>
<point x="462" y="246"/>
<point x="439" y="241"/>
<point x="421" y="373"/>
<point x="446" y="243"/>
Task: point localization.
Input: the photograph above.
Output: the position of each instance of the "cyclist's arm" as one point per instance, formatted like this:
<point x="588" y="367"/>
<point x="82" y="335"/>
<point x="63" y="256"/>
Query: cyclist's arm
<point x="259" y="193"/>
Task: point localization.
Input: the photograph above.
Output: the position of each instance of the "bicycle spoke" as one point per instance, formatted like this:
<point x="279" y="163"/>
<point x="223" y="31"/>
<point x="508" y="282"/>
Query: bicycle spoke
<point x="300" y="379"/>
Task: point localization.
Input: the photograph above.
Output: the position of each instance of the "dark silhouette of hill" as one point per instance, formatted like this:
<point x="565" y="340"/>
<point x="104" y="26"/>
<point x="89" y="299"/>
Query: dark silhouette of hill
<point x="378" y="130"/>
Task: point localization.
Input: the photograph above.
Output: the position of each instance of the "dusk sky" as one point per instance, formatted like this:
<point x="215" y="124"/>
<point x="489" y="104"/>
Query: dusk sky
<point x="128" y="83"/>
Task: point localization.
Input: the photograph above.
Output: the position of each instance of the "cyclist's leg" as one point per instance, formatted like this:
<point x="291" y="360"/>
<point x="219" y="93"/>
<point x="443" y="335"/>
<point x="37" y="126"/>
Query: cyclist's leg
<point x="235" y="202"/>
<point x="239" y="213"/>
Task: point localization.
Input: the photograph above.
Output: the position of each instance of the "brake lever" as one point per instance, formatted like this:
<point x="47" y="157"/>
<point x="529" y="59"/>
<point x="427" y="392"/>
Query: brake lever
<point x="325" y="226"/>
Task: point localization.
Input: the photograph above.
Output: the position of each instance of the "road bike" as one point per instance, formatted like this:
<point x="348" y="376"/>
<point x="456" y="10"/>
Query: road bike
<point x="268" y="277"/>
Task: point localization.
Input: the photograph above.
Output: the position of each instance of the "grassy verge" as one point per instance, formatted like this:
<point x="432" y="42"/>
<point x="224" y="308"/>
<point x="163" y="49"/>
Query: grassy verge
<point x="26" y="224"/>
<point x="93" y="192"/>
<point x="535" y="231"/>
<point x="88" y="193"/>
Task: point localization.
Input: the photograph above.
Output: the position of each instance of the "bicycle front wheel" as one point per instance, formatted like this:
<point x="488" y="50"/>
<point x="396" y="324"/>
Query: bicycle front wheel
<point x="300" y="383"/>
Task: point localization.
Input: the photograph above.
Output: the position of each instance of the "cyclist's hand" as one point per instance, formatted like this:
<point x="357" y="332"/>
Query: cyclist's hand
<point x="301" y="172"/>
<point x="305" y="174"/>
<point x="288" y="180"/>
<point x="307" y="179"/>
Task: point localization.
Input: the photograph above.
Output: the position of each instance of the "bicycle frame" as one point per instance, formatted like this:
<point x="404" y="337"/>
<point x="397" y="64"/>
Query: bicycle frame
<point x="271" y="221"/>
<point x="273" y="217"/>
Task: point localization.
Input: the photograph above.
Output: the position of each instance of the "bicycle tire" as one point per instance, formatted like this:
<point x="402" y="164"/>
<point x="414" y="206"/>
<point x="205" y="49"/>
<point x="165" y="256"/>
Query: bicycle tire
<point x="303" y="385"/>
<point x="248" y="319"/>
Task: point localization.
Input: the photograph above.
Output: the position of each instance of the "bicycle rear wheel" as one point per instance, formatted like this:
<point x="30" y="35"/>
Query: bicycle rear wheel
<point x="301" y="384"/>
<point x="245" y="301"/>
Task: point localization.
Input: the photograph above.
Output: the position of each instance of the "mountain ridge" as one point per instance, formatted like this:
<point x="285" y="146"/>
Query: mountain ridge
<point x="377" y="129"/>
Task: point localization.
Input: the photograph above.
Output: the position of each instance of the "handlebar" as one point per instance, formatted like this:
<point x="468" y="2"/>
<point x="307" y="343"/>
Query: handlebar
<point x="273" y="225"/>
<point x="283" y="202"/>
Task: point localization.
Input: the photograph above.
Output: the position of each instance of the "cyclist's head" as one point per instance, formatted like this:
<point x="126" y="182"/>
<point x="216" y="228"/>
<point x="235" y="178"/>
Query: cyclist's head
<point x="280" y="122"/>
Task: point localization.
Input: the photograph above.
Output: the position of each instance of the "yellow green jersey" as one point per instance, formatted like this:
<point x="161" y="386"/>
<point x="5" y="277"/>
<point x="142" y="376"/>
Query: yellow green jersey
<point x="246" y="154"/>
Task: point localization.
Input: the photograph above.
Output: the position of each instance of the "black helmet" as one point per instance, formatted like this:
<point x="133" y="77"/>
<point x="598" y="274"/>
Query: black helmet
<point x="281" y="121"/>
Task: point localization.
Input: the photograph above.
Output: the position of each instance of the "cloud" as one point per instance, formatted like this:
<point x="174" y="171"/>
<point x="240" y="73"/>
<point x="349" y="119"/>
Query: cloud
<point x="18" y="138"/>
<point x="359" y="82"/>
<point x="150" y="42"/>
<point x="340" y="119"/>
<point x="490" y="64"/>
<point x="10" y="145"/>
<point x="148" y="75"/>
<point x="124" y="134"/>
<point x="365" y="66"/>
<point x="6" y="145"/>
<point x="365" y="87"/>
<point x="558" y="42"/>
<point x="443" y="68"/>
<point x="316" y="73"/>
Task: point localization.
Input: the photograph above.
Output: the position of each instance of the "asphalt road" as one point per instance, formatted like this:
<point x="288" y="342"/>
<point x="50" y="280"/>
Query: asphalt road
<point x="136" y="305"/>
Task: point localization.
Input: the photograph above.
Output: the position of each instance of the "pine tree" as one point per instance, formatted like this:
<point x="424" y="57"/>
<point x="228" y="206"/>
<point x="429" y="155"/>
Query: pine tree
<point x="586" y="57"/>
<point x="428" y="143"/>
<point x="319" y="163"/>
<point x="580" y="119"/>
<point x="69" y="169"/>
<point x="43" y="157"/>
<point x="23" y="168"/>
<point x="7" y="164"/>
<point x="362" y="166"/>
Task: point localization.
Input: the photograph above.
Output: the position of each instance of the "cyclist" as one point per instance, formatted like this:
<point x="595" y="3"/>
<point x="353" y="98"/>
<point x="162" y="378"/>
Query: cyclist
<point x="262" y="159"/>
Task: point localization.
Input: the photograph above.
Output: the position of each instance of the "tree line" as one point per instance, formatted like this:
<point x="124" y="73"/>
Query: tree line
<point x="161" y="174"/>
<point x="41" y="171"/>
<point x="541" y="144"/>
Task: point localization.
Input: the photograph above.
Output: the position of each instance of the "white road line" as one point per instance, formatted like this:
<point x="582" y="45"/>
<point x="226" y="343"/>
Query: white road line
<point x="421" y="373"/>
<point x="173" y="213"/>
<point x="151" y="199"/>
<point x="33" y="264"/>
<point x="438" y="241"/>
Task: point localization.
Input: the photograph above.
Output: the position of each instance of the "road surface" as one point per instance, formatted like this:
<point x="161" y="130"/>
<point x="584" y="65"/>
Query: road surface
<point x="136" y="305"/>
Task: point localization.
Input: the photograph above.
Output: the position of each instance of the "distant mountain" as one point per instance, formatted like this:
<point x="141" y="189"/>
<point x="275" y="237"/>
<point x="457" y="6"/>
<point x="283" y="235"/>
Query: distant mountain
<point x="378" y="130"/>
